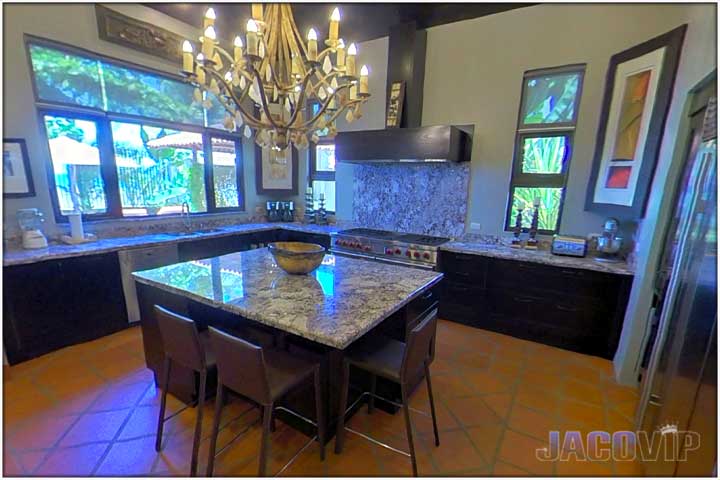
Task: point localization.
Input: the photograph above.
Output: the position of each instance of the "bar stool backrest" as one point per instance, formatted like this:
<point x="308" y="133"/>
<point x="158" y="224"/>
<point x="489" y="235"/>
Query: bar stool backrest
<point x="420" y="340"/>
<point x="180" y="339"/>
<point x="241" y="366"/>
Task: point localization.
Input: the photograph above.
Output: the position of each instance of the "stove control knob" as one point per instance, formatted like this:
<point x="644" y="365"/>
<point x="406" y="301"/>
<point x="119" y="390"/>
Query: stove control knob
<point x="426" y="255"/>
<point x="388" y="251"/>
<point x="398" y="251"/>
<point x="367" y="248"/>
<point x="416" y="254"/>
<point x="407" y="253"/>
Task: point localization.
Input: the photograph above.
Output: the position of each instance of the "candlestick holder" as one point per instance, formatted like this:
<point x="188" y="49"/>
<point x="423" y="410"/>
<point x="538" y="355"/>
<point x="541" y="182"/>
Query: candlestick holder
<point x="309" y="216"/>
<point x="321" y="213"/>
<point x="532" y="243"/>
<point x="517" y="230"/>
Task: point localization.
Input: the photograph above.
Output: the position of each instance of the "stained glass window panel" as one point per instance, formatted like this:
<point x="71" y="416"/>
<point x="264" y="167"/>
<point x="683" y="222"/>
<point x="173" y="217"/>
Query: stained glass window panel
<point x="76" y="164"/>
<point x="550" y="98"/>
<point x="325" y="158"/>
<point x="549" y="212"/>
<point x="544" y="155"/>
<point x="66" y="78"/>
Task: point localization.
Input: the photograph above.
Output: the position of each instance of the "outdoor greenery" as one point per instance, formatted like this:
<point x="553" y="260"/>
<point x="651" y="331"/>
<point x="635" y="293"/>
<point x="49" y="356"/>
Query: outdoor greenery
<point x="549" y="210"/>
<point x="67" y="78"/>
<point x="550" y="98"/>
<point x="543" y="155"/>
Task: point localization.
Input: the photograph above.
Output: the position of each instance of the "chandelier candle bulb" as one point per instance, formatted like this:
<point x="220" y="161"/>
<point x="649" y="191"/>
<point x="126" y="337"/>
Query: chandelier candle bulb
<point x="257" y="12"/>
<point x="350" y="60"/>
<point x="237" y="51"/>
<point x="187" y="57"/>
<point x="209" y="19"/>
<point x="340" y="52"/>
<point x="334" y="25"/>
<point x="364" y="89"/>
<point x="208" y="42"/>
<point x="312" y="50"/>
<point x="296" y="66"/>
<point x="252" y="37"/>
<point x="199" y="72"/>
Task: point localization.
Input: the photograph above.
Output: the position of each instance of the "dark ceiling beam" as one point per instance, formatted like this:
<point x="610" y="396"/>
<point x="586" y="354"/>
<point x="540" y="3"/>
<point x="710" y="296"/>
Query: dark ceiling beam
<point x="360" y="22"/>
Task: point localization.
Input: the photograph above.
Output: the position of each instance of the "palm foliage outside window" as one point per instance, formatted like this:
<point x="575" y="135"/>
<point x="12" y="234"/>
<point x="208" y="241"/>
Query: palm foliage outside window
<point x="543" y="145"/>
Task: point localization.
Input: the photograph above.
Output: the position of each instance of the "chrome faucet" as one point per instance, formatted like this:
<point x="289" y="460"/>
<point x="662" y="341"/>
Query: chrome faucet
<point x="185" y="215"/>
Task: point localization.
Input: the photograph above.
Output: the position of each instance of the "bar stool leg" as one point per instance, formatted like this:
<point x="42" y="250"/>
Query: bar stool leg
<point x="344" y="385"/>
<point x="432" y="404"/>
<point x="163" y="398"/>
<point x="198" y="424"/>
<point x="373" y="387"/>
<point x="219" y="403"/>
<point x="320" y="414"/>
<point x="265" y="442"/>
<point x="408" y="426"/>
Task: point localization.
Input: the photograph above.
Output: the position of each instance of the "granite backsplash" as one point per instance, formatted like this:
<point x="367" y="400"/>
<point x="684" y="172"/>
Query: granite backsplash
<point x="428" y="199"/>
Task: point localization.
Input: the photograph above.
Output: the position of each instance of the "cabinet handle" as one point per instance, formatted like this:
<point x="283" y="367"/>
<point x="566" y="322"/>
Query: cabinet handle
<point x="427" y="295"/>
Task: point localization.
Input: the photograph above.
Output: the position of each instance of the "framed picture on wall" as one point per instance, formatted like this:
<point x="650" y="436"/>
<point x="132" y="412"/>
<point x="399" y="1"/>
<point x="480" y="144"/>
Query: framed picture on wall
<point x="638" y="91"/>
<point x="396" y="98"/>
<point x="17" y="176"/>
<point x="276" y="171"/>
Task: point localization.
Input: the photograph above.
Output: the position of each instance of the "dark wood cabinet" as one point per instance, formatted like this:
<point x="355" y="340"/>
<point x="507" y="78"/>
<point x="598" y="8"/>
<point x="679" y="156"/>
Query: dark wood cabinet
<point x="575" y="309"/>
<point x="52" y="304"/>
<point x="213" y="247"/>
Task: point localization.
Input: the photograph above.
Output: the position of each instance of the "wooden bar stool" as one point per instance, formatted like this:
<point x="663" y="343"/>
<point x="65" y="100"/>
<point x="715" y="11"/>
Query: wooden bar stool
<point x="263" y="376"/>
<point x="183" y="344"/>
<point x="398" y="362"/>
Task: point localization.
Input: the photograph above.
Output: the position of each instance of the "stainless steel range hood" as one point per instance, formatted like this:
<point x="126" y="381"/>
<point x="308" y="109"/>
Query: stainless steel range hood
<point x="410" y="143"/>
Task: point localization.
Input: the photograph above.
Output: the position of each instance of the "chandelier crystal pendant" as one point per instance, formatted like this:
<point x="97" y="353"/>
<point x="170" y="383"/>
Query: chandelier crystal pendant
<point x="269" y="81"/>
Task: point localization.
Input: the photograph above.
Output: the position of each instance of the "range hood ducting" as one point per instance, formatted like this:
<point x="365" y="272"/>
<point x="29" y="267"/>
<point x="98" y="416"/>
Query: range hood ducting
<point x="411" y="143"/>
<point x="434" y="144"/>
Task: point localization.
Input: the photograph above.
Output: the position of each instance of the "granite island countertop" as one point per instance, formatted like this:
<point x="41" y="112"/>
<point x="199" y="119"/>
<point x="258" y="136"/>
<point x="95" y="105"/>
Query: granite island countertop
<point x="18" y="256"/>
<point x="334" y="305"/>
<point x="503" y="251"/>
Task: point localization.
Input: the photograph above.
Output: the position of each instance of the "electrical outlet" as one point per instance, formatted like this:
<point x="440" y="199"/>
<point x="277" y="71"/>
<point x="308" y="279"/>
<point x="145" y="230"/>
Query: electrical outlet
<point x="474" y="227"/>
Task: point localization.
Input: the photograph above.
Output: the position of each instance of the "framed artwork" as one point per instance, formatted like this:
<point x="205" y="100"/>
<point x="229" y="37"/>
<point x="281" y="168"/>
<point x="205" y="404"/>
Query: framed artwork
<point x="276" y="172"/>
<point x="17" y="176"/>
<point x="638" y="91"/>
<point x="396" y="98"/>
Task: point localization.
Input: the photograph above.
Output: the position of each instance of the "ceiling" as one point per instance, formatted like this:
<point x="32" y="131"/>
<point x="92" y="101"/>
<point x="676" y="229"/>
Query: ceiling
<point x="360" y="21"/>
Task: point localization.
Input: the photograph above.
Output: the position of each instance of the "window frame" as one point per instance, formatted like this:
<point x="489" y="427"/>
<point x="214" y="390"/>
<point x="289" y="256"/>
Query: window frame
<point x="541" y="130"/>
<point x="320" y="175"/>
<point x="103" y="120"/>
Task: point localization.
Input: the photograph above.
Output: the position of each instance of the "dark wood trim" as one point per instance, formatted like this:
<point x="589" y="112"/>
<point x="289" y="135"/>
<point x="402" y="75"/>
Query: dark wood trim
<point x="673" y="41"/>
<point x="276" y="191"/>
<point x="26" y="165"/>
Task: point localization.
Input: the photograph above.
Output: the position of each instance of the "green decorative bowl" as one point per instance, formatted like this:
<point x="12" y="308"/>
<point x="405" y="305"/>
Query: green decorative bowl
<point x="297" y="258"/>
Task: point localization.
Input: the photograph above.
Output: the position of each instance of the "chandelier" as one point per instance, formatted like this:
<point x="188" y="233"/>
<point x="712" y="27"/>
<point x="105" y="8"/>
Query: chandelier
<point x="270" y="81"/>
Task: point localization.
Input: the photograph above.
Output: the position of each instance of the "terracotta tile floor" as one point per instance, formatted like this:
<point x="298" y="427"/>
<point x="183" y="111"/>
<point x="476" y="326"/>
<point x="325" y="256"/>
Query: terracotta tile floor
<point x="91" y="409"/>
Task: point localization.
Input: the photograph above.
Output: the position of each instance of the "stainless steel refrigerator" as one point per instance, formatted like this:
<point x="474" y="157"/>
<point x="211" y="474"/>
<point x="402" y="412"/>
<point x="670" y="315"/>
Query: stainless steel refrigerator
<point x="680" y="380"/>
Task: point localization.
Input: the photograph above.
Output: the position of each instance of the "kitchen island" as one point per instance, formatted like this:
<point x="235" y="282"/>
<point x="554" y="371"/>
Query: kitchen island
<point x="313" y="316"/>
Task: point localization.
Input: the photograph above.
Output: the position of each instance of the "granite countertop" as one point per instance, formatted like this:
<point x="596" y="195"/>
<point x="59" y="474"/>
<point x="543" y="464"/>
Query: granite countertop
<point x="60" y="250"/>
<point x="334" y="305"/>
<point x="537" y="256"/>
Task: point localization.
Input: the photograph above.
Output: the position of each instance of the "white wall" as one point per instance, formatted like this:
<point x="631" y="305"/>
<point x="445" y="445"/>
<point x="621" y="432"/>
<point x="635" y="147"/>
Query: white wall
<point x="75" y="24"/>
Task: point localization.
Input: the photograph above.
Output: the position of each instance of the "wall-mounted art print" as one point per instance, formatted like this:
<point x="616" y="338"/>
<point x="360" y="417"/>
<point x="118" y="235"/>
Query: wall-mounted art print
<point x="276" y="171"/>
<point x="17" y="177"/>
<point x="129" y="32"/>
<point x="638" y="91"/>
<point x="396" y="99"/>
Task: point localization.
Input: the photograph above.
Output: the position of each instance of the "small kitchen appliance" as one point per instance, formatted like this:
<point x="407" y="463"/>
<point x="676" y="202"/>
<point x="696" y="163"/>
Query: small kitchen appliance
<point x="391" y="247"/>
<point x="609" y="244"/>
<point x="568" y="245"/>
<point x="31" y="220"/>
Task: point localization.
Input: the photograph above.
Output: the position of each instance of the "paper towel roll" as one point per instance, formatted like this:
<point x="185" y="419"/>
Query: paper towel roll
<point x="76" y="226"/>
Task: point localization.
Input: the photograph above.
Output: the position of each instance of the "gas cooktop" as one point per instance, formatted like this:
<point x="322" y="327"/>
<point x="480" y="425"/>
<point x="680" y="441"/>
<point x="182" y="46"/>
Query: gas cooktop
<point x="407" y="248"/>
